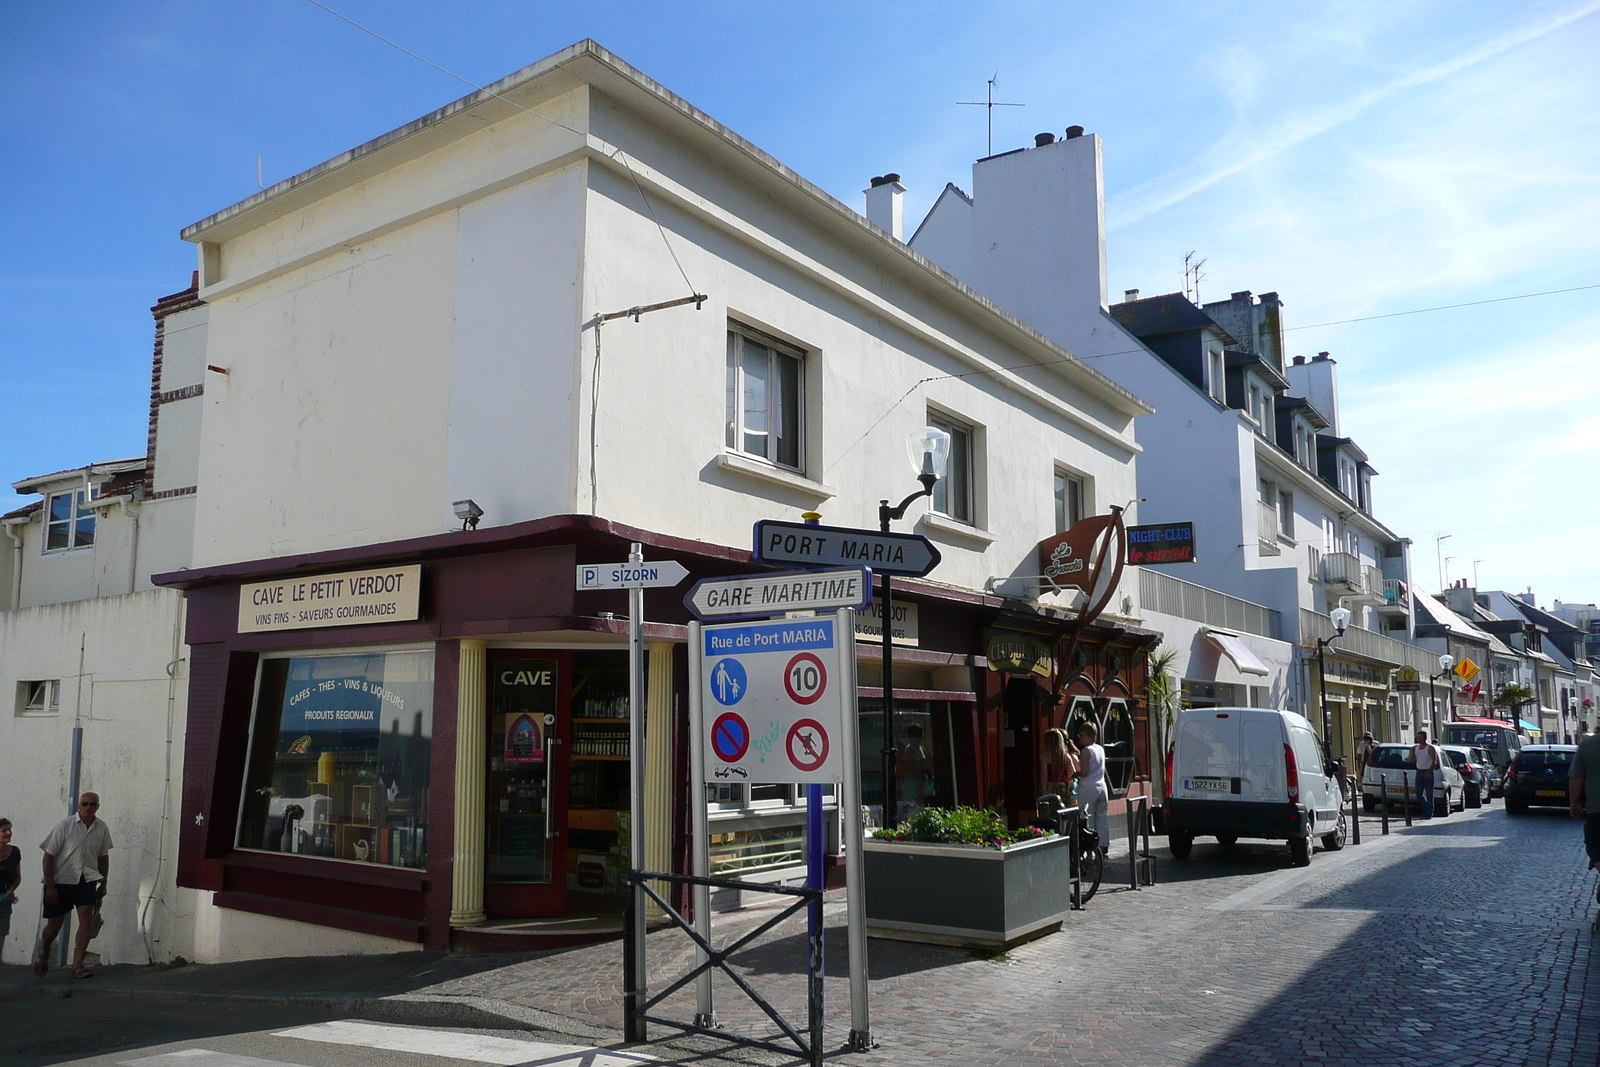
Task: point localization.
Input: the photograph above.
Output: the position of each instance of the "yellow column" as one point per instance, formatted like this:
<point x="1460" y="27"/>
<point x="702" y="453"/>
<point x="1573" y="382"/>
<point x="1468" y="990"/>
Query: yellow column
<point x="658" y="767"/>
<point x="472" y="723"/>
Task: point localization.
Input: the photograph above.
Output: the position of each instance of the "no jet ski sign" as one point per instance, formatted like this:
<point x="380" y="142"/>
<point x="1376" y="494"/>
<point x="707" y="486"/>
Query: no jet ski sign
<point x="773" y="699"/>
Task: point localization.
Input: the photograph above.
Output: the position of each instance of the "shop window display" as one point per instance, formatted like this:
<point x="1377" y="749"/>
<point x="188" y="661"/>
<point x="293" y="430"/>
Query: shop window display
<point x="339" y="758"/>
<point x="924" y="757"/>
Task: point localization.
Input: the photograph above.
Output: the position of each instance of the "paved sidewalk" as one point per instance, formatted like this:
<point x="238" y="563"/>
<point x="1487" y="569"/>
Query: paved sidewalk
<point x="1460" y="940"/>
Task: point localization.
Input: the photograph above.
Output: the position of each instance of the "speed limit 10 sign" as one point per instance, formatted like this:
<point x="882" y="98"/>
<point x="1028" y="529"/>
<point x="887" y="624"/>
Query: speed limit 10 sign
<point x="780" y="681"/>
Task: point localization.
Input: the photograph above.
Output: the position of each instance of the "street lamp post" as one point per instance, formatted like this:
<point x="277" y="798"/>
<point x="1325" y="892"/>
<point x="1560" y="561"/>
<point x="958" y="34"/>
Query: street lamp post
<point x="929" y="449"/>
<point x="1341" y="620"/>
<point x="1446" y="661"/>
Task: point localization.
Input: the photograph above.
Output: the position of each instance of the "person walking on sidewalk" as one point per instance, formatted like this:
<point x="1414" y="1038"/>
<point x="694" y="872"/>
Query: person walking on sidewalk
<point x="1092" y="796"/>
<point x="1585" y="801"/>
<point x="10" y="876"/>
<point x="1428" y="759"/>
<point x="76" y="863"/>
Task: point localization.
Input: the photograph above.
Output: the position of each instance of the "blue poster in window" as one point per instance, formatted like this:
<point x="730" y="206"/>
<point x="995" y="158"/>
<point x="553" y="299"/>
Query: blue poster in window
<point x="336" y="712"/>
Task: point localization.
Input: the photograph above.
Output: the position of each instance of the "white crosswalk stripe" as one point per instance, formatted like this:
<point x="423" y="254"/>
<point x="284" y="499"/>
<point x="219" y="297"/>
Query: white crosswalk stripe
<point x="202" y="1057"/>
<point x="476" y="1048"/>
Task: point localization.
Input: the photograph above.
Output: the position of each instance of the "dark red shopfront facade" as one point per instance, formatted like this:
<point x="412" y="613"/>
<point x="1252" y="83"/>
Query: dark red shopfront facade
<point x="293" y="839"/>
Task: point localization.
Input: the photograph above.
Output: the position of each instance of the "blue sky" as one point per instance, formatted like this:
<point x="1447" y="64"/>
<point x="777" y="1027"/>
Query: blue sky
<point x="1358" y="158"/>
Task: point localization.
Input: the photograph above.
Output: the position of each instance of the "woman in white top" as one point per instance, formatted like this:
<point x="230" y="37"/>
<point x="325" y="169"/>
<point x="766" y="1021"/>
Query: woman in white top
<point x="1092" y="795"/>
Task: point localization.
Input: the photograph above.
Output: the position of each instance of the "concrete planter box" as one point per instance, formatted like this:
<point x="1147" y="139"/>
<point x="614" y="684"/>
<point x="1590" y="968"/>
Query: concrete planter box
<point x="966" y="894"/>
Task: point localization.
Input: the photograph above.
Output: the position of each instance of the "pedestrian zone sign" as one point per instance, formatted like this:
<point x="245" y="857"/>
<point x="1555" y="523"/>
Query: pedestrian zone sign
<point x="773" y="701"/>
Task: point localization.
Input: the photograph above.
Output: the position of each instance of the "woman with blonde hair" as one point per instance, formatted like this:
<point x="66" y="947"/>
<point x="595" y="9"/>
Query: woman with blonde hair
<point x="1062" y="772"/>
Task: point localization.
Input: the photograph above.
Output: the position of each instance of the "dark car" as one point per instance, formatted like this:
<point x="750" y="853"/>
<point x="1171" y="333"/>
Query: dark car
<point x="1538" y="775"/>
<point x="1474" y="772"/>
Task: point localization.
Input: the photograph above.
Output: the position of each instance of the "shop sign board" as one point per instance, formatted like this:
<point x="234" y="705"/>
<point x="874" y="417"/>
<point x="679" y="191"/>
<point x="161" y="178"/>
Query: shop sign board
<point x="1168" y="542"/>
<point x="1018" y="654"/>
<point x="773" y="696"/>
<point x="909" y="555"/>
<point x="343" y="598"/>
<point x="869" y="624"/>
<point x="749" y="595"/>
<point x="657" y="574"/>
<point x="1407" y="680"/>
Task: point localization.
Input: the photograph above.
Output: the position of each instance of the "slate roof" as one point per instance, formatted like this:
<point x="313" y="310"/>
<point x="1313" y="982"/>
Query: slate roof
<point x="1169" y="313"/>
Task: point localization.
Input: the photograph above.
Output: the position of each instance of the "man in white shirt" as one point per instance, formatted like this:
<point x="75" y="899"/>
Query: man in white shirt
<point x="1427" y="758"/>
<point x="76" y="863"/>
<point x="1092" y="795"/>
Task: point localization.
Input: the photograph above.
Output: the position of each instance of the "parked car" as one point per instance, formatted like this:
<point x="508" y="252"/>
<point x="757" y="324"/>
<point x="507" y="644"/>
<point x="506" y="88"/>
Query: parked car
<point x="1539" y="776"/>
<point x="1392" y="766"/>
<point x="1250" y="772"/>
<point x="1474" y="773"/>
<point x="1496" y="779"/>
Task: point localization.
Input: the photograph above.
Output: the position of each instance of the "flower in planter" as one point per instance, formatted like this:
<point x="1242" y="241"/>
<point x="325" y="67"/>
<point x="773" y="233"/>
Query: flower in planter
<point x="960" y="826"/>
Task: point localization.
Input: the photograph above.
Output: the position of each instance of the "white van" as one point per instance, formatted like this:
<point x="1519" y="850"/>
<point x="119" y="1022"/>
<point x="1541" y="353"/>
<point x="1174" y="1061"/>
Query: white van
<point x="1250" y="772"/>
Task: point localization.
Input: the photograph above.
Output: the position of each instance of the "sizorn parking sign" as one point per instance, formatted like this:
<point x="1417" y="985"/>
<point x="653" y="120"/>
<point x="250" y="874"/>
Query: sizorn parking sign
<point x="773" y="701"/>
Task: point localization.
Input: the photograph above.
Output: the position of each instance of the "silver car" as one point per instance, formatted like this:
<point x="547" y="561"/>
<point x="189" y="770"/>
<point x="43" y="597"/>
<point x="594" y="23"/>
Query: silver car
<point x="1478" y="787"/>
<point x="1392" y="768"/>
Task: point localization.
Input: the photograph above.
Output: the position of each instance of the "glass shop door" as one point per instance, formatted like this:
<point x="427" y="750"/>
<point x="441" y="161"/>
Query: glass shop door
<point x="526" y="785"/>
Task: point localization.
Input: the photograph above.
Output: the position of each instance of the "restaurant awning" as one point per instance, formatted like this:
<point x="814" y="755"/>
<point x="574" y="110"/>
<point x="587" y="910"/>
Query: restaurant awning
<point x="1234" y="648"/>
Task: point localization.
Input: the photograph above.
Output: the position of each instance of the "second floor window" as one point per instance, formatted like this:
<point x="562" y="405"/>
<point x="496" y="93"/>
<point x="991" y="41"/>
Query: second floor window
<point x="1069" y="500"/>
<point x="952" y="494"/>
<point x="1286" y="513"/>
<point x="764" y="398"/>
<point x="69" y="524"/>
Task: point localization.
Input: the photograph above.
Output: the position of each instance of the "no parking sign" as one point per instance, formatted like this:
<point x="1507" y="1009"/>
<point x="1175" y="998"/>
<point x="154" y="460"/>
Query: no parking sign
<point x="773" y="701"/>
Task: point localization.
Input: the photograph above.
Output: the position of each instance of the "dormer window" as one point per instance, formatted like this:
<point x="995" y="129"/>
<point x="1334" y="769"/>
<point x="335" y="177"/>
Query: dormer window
<point x="68" y="523"/>
<point x="1216" y="375"/>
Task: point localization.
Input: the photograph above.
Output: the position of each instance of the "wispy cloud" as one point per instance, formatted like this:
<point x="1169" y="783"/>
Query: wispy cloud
<point x="1244" y="148"/>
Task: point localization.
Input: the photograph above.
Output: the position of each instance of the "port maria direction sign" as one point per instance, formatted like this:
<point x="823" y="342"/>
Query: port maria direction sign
<point x="910" y="555"/>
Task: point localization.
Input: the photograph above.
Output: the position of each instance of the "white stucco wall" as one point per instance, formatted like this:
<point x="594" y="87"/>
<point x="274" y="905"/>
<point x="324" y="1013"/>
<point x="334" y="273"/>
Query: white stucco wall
<point x="129" y="708"/>
<point x="425" y="341"/>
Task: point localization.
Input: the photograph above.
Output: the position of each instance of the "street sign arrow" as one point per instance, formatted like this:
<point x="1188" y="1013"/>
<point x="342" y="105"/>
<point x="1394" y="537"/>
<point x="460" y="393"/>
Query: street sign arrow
<point x="658" y="574"/>
<point x="911" y="555"/>
<point x="773" y="594"/>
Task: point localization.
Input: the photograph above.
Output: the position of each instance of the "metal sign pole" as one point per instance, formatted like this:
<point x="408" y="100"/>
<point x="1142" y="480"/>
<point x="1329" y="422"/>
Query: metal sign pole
<point x="636" y="721"/>
<point x="854" y="837"/>
<point x="705" y="1009"/>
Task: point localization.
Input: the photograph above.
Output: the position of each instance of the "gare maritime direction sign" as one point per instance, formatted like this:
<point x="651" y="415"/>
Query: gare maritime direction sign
<point x="771" y="594"/>
<point x="911" y="555"/>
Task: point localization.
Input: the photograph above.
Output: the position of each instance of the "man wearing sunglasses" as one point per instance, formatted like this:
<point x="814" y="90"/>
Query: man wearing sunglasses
<point x="75" y="868"/>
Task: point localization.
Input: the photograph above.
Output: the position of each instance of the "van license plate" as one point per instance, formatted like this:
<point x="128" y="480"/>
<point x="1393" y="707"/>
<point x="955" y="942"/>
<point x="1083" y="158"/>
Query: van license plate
<point x="1552" y="792"/>
<point x="1215" y="785"/>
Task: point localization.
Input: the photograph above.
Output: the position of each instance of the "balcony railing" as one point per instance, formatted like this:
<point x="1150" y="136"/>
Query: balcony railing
<point x="1174" y="596"/>
<point x="1341" y="568"/>
<point x="1372" y="582"/>
<point x="1394" y="594"/>
<point x="1367" y="644"/>
<point x="1267" y="528"/>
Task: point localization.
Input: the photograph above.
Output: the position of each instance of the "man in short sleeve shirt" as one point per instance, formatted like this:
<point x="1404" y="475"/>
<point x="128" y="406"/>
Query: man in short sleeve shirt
<point x="76" y="863"/>
<point x="1585" y="799"/>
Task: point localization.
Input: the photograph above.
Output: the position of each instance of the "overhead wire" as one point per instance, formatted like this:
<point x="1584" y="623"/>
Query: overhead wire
<point x="616" y="152"/>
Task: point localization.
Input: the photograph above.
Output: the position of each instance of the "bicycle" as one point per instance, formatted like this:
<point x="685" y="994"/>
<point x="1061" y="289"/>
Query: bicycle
<point x="1088" y="866"/>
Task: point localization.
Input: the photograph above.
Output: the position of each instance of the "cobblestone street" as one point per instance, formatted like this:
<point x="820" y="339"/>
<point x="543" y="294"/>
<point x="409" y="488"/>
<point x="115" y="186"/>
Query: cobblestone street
<point x="1457" y="941"/>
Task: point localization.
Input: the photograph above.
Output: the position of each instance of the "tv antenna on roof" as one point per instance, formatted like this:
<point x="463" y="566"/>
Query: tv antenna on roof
<point x="990" y="104"/>
<point x="1191" y="277"/>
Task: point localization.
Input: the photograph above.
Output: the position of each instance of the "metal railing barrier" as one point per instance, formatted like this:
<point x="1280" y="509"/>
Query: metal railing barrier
<point x="637" y="1001"/>
<point x="1141" y="860"/>
<point x="1065" y="819"/>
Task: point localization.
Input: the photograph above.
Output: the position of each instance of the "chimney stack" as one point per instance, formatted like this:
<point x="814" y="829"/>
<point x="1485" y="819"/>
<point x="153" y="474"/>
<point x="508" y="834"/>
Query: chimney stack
<point x="1130" y="295"/>
<point x="1042" y="139"/>
<point x="885" y="210"/>
<point x="1074" y="132"/>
